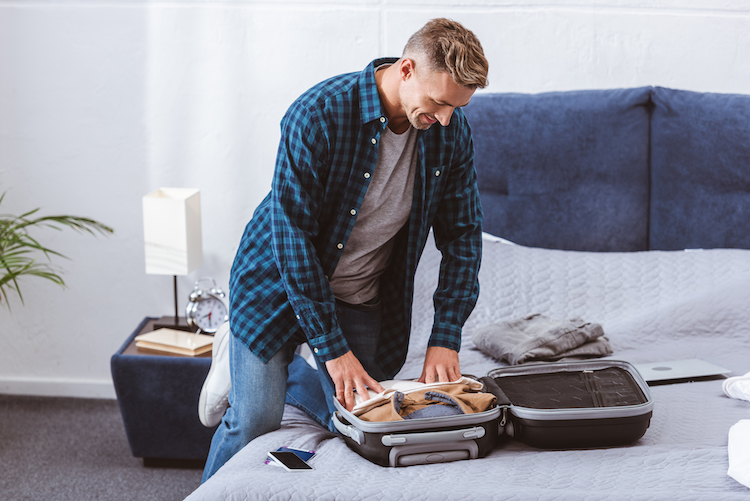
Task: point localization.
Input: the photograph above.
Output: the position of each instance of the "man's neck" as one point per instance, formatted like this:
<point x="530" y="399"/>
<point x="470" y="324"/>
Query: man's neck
<point x="388" y="82"/>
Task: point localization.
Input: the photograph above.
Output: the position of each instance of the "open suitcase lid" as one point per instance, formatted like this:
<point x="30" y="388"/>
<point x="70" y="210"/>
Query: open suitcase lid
<point x="571" y="390"/>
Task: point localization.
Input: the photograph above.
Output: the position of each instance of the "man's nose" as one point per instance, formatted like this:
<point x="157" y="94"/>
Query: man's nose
<point x="444" y="116"/>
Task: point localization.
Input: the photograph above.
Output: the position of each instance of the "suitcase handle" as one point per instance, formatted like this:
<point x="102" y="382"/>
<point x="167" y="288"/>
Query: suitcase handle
<point x="407" y="455"/>
<point x="433" y="437"/>
<point x="348" y="430"/>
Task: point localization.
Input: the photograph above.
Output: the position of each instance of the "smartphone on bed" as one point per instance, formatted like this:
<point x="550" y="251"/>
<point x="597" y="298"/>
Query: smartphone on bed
<point x="305" y="455"/>
<point x="289" y="461"/>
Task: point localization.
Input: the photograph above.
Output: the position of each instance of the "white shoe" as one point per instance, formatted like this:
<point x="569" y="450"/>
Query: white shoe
<point x="214" y="398"/>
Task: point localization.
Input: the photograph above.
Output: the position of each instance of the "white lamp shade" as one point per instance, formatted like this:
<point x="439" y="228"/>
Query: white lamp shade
<point x="172" y="231"/>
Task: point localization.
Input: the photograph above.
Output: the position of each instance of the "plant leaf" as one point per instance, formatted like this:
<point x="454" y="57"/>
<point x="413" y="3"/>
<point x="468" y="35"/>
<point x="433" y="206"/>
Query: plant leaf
<point x="17" y="247"/>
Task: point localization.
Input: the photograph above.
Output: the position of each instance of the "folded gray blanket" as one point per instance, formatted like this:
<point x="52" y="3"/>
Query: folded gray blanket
<point x="540" y="338"/>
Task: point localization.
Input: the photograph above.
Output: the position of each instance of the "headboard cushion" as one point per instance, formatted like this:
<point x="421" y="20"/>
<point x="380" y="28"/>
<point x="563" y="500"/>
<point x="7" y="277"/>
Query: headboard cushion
<point x="564" y="170"/>
<point x="700" y="163"/>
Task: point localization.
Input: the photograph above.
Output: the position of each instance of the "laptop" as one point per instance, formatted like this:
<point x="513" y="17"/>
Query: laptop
<point x="680" y="371"/>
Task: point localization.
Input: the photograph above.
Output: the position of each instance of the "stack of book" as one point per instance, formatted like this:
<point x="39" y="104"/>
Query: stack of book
<point x="174" y="341"/>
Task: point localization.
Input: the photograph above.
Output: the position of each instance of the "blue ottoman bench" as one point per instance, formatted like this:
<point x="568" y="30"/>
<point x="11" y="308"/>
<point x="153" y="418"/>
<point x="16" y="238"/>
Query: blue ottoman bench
<point x="158" y="398"/>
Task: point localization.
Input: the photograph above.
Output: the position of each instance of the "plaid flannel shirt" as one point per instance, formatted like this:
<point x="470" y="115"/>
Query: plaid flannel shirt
<point x="279" y="286"/>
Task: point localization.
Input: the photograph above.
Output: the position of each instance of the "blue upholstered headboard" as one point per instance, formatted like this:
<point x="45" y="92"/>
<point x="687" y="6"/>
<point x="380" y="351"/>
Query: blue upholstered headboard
<point x="614" y="170"/>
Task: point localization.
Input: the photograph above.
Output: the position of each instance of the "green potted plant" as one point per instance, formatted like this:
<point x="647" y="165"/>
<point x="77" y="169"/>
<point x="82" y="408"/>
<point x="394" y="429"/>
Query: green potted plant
<point x="19" y="251"/>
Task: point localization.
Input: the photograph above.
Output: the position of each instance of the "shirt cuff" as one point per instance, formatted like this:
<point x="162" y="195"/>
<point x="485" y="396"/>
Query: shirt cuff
<point x="329" y="346"/>
<point x="446" y="336"/>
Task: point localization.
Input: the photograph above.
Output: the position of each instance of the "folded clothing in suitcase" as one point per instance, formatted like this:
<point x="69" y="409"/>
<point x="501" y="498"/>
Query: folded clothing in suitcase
<point x="421" y="440"/>
<point x="547" y="405"/>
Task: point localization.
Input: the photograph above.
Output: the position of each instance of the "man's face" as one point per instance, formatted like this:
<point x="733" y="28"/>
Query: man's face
<point x="428" y="97"/>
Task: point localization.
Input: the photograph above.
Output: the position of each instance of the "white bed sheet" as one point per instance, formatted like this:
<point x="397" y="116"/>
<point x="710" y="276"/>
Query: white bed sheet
<point x="654" y="306"/>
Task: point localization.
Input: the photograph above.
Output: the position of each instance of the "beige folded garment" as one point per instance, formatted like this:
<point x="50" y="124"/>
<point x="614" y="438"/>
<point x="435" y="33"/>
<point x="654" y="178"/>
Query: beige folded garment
<point x="467" y="399"/>
<point x="405" y="386"/>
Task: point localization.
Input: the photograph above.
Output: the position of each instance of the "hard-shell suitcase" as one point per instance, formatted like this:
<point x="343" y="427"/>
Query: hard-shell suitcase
<point x="547" y="405"/>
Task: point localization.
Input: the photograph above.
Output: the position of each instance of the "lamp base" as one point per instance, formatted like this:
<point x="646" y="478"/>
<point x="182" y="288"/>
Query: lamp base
<point x="169" y="323"/>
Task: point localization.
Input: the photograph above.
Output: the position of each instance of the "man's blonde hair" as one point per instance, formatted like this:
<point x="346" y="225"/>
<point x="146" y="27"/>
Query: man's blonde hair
<point x="449" y="47"/>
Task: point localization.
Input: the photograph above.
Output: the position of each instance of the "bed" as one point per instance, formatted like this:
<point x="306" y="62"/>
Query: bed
<point x="630" y="208"/>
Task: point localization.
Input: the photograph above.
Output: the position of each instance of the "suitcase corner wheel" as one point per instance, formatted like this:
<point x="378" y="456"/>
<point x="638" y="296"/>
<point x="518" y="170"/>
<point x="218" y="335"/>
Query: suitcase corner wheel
<point x="420" y="441"/>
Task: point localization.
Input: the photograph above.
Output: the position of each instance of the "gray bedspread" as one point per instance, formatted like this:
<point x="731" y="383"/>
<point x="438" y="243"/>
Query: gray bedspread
<point x="654" y="306"/>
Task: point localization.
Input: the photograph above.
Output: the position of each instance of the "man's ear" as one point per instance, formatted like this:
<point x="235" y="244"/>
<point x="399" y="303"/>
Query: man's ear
<point x="406" y="68"/>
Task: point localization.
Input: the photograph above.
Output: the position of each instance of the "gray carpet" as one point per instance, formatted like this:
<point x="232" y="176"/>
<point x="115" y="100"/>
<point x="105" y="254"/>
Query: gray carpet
<point x="76" y="449"/>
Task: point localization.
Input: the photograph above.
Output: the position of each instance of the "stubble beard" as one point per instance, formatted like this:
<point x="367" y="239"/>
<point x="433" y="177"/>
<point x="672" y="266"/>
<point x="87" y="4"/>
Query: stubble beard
<point x="418" y="121"/>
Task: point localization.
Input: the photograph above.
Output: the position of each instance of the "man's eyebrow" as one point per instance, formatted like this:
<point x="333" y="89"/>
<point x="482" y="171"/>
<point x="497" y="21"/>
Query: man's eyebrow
<point x="443" y="103"/>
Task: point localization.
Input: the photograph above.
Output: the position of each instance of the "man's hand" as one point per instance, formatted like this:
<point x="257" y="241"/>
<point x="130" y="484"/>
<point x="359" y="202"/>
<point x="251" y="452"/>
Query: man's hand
<point x="440" y="365"/>
<point x="347" y="375"/>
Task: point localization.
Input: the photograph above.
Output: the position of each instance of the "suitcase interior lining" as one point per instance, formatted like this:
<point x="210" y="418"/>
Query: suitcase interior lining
<point x="608" y="387"/>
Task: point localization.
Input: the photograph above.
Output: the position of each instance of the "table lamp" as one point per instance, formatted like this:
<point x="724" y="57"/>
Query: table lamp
<point x="172" y="235"/>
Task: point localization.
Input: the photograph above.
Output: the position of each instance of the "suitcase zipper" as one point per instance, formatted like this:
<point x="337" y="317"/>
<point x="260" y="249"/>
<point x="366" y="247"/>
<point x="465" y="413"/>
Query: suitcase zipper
<point x="592" y="387"/>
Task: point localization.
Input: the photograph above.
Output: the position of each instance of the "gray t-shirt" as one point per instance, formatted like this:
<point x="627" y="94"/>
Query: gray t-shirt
<point x="384" y="211"/>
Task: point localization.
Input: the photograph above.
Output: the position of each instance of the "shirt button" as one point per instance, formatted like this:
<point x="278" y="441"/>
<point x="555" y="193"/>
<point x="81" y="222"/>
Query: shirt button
<point x="315" y="350"/>
<point x="297" y="317"/>
<point x="339" y="246"/>
<point x="367" y="175"/>
<point x="437" y="173"/>
<point x="353" y="212"/>
<point x="373" y="140"/>
<point x="382" y="120"/>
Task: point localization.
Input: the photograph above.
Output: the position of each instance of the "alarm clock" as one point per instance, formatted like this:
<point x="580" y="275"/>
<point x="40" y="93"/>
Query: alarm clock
<point x="206" y="310"/>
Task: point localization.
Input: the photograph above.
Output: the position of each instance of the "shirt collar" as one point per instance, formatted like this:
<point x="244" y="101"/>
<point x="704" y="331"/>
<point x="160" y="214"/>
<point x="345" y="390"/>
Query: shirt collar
<point x="369" y="100"/>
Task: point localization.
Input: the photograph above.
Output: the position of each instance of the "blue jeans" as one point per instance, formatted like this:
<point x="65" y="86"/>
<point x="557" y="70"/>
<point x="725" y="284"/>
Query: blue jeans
<point x="259" y="391"/>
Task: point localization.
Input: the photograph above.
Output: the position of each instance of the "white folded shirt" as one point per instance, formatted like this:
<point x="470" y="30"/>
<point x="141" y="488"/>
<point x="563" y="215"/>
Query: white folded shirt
<point x="739" y="452"/>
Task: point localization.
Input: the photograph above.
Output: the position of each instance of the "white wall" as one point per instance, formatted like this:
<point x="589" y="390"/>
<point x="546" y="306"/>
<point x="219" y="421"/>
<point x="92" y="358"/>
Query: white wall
<point x="104" y="101"/>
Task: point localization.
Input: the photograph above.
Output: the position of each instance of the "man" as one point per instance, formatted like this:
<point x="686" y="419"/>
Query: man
<point x="368" y="163"/>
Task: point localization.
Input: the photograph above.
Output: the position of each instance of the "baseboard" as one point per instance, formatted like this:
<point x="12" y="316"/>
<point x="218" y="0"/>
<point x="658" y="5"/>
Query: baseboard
<point x="48" y="387"/>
